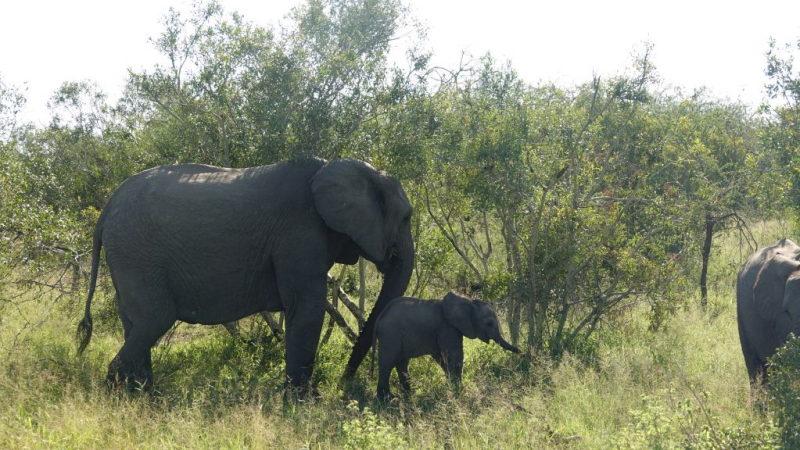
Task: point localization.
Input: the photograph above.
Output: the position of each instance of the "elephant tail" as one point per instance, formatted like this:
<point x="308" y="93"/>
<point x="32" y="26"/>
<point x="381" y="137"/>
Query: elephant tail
<point x="85" y="326"/>
<point x="374" y="343"/>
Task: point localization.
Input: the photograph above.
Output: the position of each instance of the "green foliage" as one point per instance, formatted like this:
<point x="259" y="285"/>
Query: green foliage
<point x="86" y="149"/>
<point x="562" y="180"/>
<point x="11" y="102"/>
<point x="365" y="430"/>
<point x="236" y="94"/>
<point x="782" y="128"/>
<point x="35" y="235"/>
<point x="784" y="391"/>
<point x="686" y="424"/>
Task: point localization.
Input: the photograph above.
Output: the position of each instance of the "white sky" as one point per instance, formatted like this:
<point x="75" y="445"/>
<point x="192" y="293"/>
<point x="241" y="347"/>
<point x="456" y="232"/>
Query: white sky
<point x="713" y="43"/>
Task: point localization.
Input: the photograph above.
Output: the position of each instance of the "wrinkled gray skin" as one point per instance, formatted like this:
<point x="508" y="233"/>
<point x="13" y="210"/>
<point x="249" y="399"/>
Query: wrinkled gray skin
<point x="768" y="303"/>
<point x="211" y="245"/>
<point x="411" y="327"/>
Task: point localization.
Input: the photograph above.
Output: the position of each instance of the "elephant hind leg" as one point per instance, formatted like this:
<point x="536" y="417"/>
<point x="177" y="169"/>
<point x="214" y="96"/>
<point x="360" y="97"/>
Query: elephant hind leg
<point x="388" y="359"/>
<point x="132" y="367"/>
<point x="755" y="366"/>
<point x="384" y="375"/>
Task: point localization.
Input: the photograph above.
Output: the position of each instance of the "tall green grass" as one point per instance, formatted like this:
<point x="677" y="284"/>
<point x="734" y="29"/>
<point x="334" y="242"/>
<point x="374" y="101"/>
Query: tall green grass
<point x="683" y="385"/>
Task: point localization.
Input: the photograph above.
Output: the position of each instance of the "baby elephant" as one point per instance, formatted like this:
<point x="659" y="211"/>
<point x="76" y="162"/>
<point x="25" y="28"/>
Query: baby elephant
<point x="410" y="327"/>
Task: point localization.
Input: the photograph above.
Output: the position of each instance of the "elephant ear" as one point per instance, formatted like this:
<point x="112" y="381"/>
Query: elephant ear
<point x="355" y="199"/>
<point x="458" y="312"/>
<point x="771" y="282"/>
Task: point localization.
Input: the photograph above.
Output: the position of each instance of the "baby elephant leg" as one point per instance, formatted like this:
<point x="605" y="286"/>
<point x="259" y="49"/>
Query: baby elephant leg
<point x="402" y="373"/>
<point x="384" y="373"/>
<point x="453" y="361"/>
<point x="451" y="366"/>
<point x="452" y="356"/>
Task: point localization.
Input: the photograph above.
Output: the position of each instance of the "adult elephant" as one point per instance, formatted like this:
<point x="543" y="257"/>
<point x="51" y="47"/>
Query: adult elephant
<point x="211" y="245"/>
<point x="768" y="303"/>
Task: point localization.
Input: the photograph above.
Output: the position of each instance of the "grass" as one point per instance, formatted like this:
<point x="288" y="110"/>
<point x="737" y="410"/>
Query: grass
<point x="683" y="386"/>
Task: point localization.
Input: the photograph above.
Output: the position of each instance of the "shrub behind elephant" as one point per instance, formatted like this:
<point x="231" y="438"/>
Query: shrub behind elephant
<point x="211" y="245"/>
<point x="409" y="327"/>
<point x="768" y="303"/>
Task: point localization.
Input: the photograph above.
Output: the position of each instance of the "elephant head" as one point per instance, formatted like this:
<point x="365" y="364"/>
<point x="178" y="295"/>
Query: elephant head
<point x="367" y="205"/>
<point x="474" y="319"/>
<point x="791" y="301"/>
<point x="371" y="208"/>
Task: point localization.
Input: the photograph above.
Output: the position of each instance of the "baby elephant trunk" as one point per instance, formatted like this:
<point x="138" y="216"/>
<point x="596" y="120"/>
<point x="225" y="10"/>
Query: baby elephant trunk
<point x="506" y="345"/>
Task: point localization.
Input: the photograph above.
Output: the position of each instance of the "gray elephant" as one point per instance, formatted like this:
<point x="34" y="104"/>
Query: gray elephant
<point x="410" y="327"/>
<point x="211" y="245"/>
<point x="768" y="303"/>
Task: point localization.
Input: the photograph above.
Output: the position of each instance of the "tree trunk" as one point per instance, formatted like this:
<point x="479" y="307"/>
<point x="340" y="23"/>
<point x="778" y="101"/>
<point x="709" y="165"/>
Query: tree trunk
<point x="76" y="277"/>
<point x="706" y="253"/>
<point x="274" y="325"/>
<point x="514" y="267"/>
<point x="334" y="287"/>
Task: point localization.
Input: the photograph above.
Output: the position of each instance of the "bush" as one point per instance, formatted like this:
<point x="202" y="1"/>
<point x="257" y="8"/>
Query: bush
<point x="688" y="424"/>
<point x="367" y="431"/>
<point x="784" y="387"/>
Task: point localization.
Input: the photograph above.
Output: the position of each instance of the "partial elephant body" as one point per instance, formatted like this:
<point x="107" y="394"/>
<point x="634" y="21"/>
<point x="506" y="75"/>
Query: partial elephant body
<point x="211" y="245"/>
<point x="410" y="327"/>
<point x="768" y="303"/>
<point x="217" y="216"/>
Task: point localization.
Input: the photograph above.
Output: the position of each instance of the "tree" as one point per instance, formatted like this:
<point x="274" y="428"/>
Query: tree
<point x="12" y="101"/>
<point x="582" y="187"/>
<point x="236" y="94"/>
<point x="782" y="129"/>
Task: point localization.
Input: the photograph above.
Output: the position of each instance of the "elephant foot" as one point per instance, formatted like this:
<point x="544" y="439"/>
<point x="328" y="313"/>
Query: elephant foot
<point x="121" y="378"/>
<point x="300" y="393"/>
<point x="349" y="374"/>
<point x="386" y="396"/>
<point x="120" y="382"/>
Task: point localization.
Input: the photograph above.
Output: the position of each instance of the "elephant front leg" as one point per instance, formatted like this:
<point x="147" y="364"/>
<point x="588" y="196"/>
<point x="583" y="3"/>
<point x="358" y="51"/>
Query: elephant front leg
<point x="451" y="357"/>
<point x="452" y="366"/>
<point x="303" y="328"/>
<point x="454" y="361"/>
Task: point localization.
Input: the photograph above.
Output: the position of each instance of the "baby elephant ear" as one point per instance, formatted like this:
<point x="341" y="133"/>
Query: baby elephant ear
<point x="458" y="312"/>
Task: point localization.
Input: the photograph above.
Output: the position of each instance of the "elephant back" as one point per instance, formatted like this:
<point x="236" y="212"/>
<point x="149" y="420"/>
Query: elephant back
<point x="752" y="267"/>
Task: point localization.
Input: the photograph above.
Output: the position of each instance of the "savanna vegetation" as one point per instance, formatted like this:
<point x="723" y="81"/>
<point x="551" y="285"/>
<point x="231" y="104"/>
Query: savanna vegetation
<point x="604" y="221"/>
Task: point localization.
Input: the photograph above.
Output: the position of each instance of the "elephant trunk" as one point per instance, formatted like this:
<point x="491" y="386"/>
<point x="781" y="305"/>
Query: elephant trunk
<point x="506" y="345"/>
<point x="397" y="275"/>
<point x="497" y="336"/>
